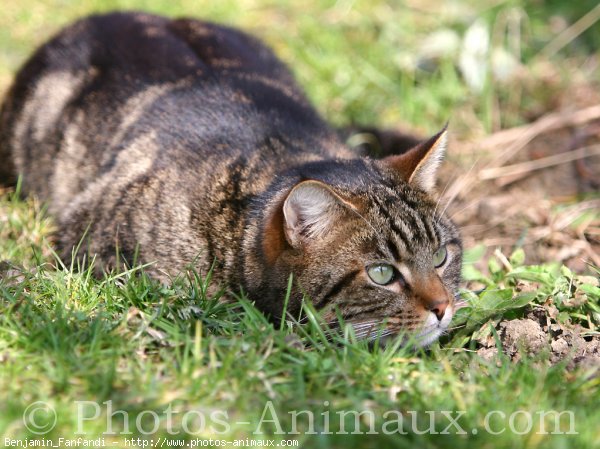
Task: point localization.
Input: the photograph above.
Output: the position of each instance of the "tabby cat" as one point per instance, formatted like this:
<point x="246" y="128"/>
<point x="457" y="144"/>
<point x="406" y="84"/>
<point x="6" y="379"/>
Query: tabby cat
<point x="191" y="143"/>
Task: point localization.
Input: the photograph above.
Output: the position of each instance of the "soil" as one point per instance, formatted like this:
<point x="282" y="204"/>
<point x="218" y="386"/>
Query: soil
<point x="553" y="213"/>
<point x="533" y="336"/>
<point x="549" y="212"/>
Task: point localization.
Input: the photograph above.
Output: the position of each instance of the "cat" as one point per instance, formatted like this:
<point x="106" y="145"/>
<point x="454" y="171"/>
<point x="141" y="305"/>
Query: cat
<point x="178" y="142"/>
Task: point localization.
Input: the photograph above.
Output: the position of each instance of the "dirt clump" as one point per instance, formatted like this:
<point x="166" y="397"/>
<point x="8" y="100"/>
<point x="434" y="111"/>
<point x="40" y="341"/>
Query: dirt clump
<point x="555" y="343"/>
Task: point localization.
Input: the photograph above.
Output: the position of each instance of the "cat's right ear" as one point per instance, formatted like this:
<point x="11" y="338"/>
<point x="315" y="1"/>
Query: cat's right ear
<point x="310" y="211"/>
<point x="419" y="165"/>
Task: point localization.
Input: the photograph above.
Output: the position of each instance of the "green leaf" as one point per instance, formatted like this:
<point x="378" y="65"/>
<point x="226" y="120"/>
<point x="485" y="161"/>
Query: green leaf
<point x="590" y="290"/>
<point x="533" y="273"/>
<point x="475" y="254"/>
<point x="522" y="300"/>
<point x="470" y="273"/>
<point x="565" y="271"/>
<point x="494" y="299"/>
<point x="494" y="266"/>
<point x="517" y="258"/>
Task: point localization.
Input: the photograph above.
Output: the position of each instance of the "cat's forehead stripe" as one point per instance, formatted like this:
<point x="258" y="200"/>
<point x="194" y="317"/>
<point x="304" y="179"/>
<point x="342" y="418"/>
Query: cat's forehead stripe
<point x="414" y="220"/>
<point x="393" y="249"/>
<point x="409" y="225"/>
<point x="398" y="228"/>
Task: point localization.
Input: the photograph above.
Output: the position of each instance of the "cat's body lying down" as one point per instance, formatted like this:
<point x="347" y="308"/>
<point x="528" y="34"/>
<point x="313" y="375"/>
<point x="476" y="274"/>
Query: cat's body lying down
<point x="191" y="143"/>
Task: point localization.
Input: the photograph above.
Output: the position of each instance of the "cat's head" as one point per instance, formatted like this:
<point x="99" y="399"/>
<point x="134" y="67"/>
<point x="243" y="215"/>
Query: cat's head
<point x="364" y="239"/>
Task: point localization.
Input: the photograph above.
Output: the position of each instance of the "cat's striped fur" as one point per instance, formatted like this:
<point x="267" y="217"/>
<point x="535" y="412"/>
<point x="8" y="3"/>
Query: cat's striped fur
<point x="192" y="143"/>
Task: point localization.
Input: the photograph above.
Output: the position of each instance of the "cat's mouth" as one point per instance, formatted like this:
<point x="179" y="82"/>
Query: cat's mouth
<point x="433" y="328"/>
<point x="387" y="329"/>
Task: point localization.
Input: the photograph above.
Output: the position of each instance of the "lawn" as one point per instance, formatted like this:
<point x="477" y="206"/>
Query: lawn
<point x="136" y="363"/>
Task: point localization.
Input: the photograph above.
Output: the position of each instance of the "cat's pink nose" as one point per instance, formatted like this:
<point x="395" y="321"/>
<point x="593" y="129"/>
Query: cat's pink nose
<point x="433" y="294"/>
<point x="438" y="308"/>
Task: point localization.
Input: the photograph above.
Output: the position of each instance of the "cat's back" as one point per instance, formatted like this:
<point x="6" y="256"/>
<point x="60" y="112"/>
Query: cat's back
<point x="180" y="91"/>
<point x="137" y="129"/>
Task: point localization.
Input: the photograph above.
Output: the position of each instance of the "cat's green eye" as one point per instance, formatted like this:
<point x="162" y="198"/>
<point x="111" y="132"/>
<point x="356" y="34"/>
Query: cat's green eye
<point x="381" y="273"/>
<point x="439" y="257"/>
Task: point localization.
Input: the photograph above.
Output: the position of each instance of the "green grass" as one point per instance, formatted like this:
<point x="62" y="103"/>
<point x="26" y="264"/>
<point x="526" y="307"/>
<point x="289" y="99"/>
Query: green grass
<point x="67" y="337"/>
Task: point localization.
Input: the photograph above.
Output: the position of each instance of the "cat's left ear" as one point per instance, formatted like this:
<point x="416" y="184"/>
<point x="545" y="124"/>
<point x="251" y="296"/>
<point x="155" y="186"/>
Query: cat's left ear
<point x="311" y="210"/>
<point x="420" y="164"/>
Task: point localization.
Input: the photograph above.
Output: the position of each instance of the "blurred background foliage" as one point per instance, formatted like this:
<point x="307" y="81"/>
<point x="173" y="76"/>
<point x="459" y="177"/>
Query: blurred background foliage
<point x="483" y="65"/>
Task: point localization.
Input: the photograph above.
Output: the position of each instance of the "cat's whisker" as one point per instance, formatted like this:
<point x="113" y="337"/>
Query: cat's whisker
<point x="386" y="333"/>
<point x="381" y="335"/>
<point x="468" y="206"/>
<point x="363" y="329"/>
<point x="377" y="233"/>
<point x="461" y="304"/>
<point x="459" y="185"/>
<point x="441" y="195"/>
<point x="302" y="320"/>
<point x="364" y="324"/>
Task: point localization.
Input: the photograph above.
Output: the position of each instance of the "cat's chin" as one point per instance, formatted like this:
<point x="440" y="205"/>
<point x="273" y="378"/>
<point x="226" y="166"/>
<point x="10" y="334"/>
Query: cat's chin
<point x="433" y="328"/>
<point x="425" y="339"/>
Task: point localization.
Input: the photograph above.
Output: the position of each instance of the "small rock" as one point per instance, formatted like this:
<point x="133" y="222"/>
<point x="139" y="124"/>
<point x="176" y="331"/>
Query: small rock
<point x="540" y="316"/>
<point x="293" y="341"/>
<point x="487" y="353"/>
<point x="526" y="334"/>
<point x="11" y="274"/>
<point x="560" y="346"/>
<point x="555" y="330"/>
